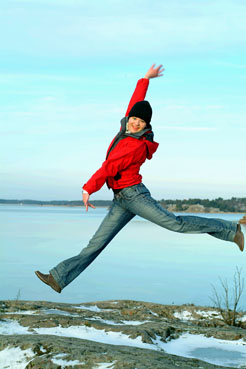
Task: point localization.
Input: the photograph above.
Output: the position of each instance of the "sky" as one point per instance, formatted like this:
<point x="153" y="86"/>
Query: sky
<point x="68" y="69"/>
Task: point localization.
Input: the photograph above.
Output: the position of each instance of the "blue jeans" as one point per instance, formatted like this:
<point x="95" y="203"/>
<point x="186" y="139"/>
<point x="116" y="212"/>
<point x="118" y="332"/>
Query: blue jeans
<point x="131" y="201"/>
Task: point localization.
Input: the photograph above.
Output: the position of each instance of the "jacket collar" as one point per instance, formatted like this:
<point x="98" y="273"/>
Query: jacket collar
<point x="149" y="136"/>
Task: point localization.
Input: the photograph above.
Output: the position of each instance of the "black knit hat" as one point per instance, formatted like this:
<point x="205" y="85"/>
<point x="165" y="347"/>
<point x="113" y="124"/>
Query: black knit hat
<point x="143" y="110"/>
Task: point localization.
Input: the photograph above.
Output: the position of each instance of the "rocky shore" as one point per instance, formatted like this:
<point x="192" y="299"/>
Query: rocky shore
<point x="108" y="334"/>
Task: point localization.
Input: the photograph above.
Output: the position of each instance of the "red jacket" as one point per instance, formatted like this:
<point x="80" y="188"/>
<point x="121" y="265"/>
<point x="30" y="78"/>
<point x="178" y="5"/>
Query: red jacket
<point x="126" y="157"/>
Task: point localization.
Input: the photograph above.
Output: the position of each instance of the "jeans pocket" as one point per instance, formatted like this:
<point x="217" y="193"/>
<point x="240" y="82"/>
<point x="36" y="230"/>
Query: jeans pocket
<point x="142" y="190"/>
<point x="129" y="193"/>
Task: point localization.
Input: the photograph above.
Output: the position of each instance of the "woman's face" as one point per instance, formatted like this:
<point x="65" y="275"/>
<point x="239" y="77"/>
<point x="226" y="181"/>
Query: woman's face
<point x="136" y="124"/>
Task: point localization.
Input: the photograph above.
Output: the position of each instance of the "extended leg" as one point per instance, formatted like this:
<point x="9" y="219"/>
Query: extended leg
<point x="142" y="204"/>
<point x="65" y="272"/>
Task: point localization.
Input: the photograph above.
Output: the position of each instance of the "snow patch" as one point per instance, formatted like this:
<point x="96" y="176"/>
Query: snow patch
<point x="42" y="349"/>
<point x="43" y="311"/>
<point x="153" y="313"/>
<point x="58" y="312"/>
<point x="21" y="312"/>
<point x="9" y="326"/>
<point x="15" y="358"/>
<point x="209" y="349"/>
<point x="93" y="334"/>
<point x="134" y="322"/>
<point x="92" y="308"/>
<point x="104" y="365"/>
<point x="122" y="322"/>
<point x="64" y="363"/>
<point x="209" y="314"/>
<point x="183" y="315"/>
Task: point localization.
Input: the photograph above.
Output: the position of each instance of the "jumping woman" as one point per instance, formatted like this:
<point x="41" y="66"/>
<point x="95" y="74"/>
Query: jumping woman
<point x="130" y="148"/>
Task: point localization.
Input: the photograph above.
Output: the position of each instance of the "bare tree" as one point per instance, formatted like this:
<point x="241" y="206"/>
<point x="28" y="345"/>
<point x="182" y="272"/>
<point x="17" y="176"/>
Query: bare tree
<point x="228" y="302"/>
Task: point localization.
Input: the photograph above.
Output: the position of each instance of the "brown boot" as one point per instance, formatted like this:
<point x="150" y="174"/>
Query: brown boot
<point x="49" y="280"/>
<point x="239" y="238"/>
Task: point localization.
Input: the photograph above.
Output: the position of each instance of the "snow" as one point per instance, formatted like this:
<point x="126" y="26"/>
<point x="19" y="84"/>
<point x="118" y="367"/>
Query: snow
<point x="92" y="308"/>
<point x="211" y="350"/>
<point x="42" y="349"/>
<point x="122" y="322"/>
<point x="93" y="334"/>
<point x="8" y="326"/>
<point x="22" y="312"/>
<point x="114" y="338"/>
<point x="63" y="363"/>
<point x="104" y="365"/>
<point x="134" y="322"/>
<point x="15" y="358"/>
<point x="43" y="311"/>
<point x="58" y="312"/>
<point x="211" y="314"/>
<point x="187" y="315"/>
<point x="183" y="315"/>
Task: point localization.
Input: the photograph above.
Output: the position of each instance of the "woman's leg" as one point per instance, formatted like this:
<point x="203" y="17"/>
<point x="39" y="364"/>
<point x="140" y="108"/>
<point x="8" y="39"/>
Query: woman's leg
<point x="117" y="217"/>
<point x="138" y="200"/>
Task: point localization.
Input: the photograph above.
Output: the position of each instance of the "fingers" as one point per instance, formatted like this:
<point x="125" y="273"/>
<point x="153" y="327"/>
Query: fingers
<point x="155" y="71"/>
<point x="89" y="205"/>
<point x="85" y="201"/>
<point x="159" y="70"/>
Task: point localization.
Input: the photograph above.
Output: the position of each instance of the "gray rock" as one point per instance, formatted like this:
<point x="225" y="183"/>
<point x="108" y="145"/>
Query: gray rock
<point x="132" y="318"/>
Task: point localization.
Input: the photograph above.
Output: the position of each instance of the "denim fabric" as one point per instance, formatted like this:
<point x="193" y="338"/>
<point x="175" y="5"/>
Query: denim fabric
<point x="131" y="201"/>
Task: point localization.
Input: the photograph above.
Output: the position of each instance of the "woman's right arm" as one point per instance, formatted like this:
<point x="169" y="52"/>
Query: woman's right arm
<point x="142" y="86"/>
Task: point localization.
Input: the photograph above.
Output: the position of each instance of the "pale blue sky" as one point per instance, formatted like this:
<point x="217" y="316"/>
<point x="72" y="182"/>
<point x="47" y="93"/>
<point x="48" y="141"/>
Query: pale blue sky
<point x="68" y="69"/>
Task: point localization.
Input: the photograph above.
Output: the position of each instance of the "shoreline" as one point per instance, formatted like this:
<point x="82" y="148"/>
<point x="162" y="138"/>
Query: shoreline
<point x="100" y="206"/>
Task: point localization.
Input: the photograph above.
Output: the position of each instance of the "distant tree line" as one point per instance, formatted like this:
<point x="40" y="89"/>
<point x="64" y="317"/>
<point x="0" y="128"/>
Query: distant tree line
<point x="104" y="203"/>
<point x="235" y="204"/>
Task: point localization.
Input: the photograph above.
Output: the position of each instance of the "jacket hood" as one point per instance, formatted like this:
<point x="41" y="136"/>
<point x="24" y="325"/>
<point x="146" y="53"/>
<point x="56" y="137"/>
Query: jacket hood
<point x="146" y="134"/>
<point x="151" y="148"/>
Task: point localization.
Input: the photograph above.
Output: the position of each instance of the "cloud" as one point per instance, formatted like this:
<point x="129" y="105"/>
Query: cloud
<point x="184" y="128"/>
<point x="121" y="29"/>
<point x="231" y="65"/>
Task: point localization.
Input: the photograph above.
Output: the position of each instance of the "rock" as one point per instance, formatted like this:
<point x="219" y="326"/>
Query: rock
<point x="143" y="322"/>
<point x="47" y="348"/>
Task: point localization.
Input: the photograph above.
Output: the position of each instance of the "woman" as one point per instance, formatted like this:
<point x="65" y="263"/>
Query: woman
<point x="127" y="152"/>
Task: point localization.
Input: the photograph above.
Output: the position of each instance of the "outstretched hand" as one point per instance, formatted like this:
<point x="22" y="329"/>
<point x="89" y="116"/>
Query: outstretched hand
<point x="154" y="72"/>
<point x="86" y="203"/>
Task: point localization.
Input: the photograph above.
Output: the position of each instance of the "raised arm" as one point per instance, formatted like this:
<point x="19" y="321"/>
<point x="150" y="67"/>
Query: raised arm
<point x="138" y="94"/>
<point x="142" y="86"/>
